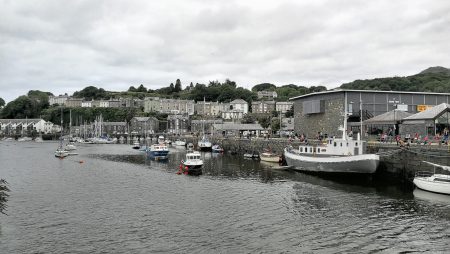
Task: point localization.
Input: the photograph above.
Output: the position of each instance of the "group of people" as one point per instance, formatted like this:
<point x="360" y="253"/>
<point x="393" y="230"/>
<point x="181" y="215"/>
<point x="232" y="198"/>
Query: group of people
<point x="416" y="139"/>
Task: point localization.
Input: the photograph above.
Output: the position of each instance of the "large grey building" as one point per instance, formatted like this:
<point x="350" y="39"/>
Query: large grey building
<point x="324" y="111"/>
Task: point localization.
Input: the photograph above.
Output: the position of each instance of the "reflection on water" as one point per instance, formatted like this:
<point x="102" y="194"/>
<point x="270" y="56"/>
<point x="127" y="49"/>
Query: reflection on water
<point x="119" y="201"/>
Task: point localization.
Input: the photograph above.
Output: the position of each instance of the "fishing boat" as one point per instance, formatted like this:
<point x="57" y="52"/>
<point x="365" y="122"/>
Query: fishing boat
<point x="204" y="144"/>
<point x="192" y="165"/>
<point x="190" y="147"/>
<point x="136" y="145"/>
<point x="430" y="181"/>
<point x="252" y="155"/>
<point x="217" y="149"/>
<point x="335" y="155"/>
<point x="70" y="146"/>
<point x="158" y="152"/>
<point x="269" y="157"/>
<point x="180" y="143"/>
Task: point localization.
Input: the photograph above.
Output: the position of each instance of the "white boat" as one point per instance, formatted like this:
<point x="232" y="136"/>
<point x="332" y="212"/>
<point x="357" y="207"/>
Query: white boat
<point x="269" y="157"/>
<point x="336" y="156"/>
<point x="429" y="181"/>
<point x="192" y="165"/>
<point x="24" y="139"/>
<point x="61" y="153"/>
<point x="38" y="139"/>
<point x="204" y="144"/>
<point x="190" y="147"/>
<point x="70" y="146"/>
<point x="252" y="155"/>
<point x="217" y="149"/>
<point x="136" y="145"/>
<point x="180" y="143"/>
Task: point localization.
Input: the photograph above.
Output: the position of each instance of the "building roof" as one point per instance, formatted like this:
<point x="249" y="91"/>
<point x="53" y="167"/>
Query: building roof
<point x="238" y="126"/>
<point x="29" y="121"/>
<point x="143" y="119"/>
<point x="388" y="118"/>
<point x="114" y="123"/>
<point x="238" y="101"/>
<point x="431" y="113"/>
<point x="364" y="91"/>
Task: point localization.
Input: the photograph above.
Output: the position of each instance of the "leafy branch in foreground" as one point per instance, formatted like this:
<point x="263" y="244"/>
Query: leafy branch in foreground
<point x="3" y="195"/>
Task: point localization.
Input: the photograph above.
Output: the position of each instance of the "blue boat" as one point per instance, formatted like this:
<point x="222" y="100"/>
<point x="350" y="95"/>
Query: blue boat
<point x="158" y="152"/>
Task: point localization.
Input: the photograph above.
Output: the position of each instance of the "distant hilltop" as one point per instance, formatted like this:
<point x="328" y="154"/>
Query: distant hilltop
<point x="436" y="69"/>
<point x="433" y="79"/>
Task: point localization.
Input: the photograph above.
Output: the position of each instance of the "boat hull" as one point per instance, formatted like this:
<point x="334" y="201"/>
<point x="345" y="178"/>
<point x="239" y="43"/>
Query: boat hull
<point x="205" y="148"/>
<point x="158" y="155"/>
<point x="194" y="169"/>
<point x="424" y="183"/>
<point x="358" y="164"/>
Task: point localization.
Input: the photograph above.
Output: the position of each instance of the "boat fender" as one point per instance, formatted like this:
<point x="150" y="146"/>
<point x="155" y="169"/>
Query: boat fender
<point x="186" y="170"/>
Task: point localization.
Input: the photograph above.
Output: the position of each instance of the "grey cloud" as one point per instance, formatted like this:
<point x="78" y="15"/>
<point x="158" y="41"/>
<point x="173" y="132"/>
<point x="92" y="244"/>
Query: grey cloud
<point x="63" y="46"/>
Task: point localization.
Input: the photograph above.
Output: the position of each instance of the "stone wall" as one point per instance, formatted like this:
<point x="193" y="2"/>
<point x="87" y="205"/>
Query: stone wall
<point x="327" y="122"/>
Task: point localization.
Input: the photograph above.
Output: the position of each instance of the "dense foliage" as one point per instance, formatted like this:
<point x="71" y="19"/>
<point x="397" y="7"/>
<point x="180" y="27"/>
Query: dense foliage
<point x="81" y="115"/>
<point x="435" y="79"/>
<point x="91" y="93"/>
<point x="2" y="102"/>
<point x="3" y="195"/>
<point x="26" y="106"/>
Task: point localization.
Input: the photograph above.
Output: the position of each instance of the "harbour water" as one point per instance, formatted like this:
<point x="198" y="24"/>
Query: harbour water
<point x="111" y="199"/>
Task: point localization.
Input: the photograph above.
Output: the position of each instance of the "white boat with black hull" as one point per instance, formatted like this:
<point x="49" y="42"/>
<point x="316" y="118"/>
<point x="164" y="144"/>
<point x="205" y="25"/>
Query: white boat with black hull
<point x="180" y="143"/>
<point x="429" y="181"/>
<point x="335" y="156"/>
<point x="193" y="164"/>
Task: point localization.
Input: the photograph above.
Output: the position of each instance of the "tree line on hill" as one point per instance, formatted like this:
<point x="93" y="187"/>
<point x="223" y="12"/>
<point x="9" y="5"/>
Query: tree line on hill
<point x="35" y="103"/>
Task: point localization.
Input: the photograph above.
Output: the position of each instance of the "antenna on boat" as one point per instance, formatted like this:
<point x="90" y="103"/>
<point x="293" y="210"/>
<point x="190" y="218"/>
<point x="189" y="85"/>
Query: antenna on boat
<point x="344" y="131"/>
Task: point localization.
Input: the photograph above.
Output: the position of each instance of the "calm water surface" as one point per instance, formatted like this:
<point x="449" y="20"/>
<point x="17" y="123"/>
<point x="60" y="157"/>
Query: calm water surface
<point x="117" y="201"/>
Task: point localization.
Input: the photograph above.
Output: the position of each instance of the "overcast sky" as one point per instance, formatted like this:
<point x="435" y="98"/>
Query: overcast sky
<point x="64" y="46"/>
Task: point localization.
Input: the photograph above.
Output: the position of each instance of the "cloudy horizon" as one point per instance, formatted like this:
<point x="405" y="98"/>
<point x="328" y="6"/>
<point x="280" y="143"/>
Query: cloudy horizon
<point x="64" y="46"/>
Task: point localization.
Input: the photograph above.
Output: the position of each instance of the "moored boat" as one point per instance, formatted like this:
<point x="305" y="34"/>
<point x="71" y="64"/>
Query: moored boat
<point x="192" y="165"/>
<point x="204" y="144"/>
<point x="136" y="145"/>
<point x="158" y="152"/>
<point x="269" y="157"/>
<point x="217" y="149"/>
<point x="190" y="147"/>
<point x="429" y="181"/>
<point x="252" y="155"/>
<point x="70" y="146"/>
<point x="180" y="143"/>
<point x="335" y="156"/>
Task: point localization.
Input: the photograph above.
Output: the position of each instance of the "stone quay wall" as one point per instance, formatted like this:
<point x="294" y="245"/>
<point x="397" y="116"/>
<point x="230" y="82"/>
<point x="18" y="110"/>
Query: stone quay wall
<point x="397" y="162"/>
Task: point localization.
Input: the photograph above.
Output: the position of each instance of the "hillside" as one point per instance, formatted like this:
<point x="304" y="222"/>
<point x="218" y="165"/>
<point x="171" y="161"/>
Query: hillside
<point x="433" y="79"/>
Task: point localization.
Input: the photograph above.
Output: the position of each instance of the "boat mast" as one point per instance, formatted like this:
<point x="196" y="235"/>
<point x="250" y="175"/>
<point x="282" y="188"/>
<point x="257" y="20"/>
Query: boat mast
<point x="360" y="118"/>
<point x="344" y="131"/>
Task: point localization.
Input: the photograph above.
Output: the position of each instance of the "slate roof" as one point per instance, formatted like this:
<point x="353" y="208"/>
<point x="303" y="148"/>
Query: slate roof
<point x="238" y="126"/>
<point x="388" y="117"/>
<point x="429" y="114"/>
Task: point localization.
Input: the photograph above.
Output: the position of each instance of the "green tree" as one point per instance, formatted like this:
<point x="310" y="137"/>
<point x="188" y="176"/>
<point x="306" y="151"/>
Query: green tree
<point x="132" y="89"/>
<point x="2" y="102"/>
<point x="141" y="89"/>
<point x="290" y="112"/>
<point x="177" y="87"/>
<point x="91" y="92"/>
<point x="263" y="87"/>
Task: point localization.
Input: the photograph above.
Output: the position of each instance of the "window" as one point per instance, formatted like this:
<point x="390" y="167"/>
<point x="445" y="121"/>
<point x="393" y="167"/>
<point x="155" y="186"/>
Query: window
<point x="301" y="149"/>
<point x="335" y="144"/>
<point x="341" y="144"/>
<point x="356" y="144"/>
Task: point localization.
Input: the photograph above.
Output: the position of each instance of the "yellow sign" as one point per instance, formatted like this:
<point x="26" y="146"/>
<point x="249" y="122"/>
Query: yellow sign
<point x="421" y="108"/>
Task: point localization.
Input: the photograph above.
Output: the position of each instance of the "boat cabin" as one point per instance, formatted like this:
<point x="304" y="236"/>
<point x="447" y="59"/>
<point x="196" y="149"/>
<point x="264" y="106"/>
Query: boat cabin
<point x="333" y="146"/>
<point x="193" y="156"/>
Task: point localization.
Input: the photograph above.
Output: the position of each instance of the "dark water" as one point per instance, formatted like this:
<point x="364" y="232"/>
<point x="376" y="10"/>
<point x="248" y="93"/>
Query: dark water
<point x="119" y="202"/>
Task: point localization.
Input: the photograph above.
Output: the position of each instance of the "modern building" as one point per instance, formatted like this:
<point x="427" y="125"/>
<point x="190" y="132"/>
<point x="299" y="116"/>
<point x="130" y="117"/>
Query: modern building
<point x="325" y="111"/>
<point x="263" y="107"/>
<point x="283" y="106"/>
<point x="267" y="95"/>
<point x="434" y="120"/>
